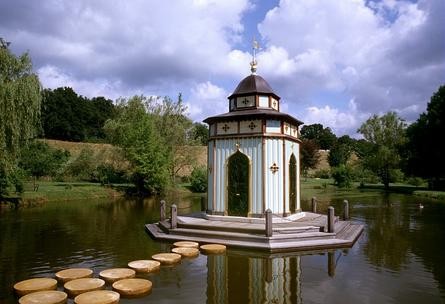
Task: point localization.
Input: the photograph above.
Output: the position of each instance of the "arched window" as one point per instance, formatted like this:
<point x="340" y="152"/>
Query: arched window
<point x="238" y="185"/>
<point x="292" y="183"/>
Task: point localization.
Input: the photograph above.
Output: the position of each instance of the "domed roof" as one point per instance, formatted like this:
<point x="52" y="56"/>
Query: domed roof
<point x="253" y="84"/>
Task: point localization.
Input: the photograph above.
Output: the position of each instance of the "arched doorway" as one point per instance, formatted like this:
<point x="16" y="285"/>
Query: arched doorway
<point x="292" y="183"/>
<point x="238" y="185"/>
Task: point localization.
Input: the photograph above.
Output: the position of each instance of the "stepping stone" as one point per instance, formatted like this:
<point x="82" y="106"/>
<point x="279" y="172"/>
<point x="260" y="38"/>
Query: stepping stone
<point x="186" y="251"/>
<point x="32" y="285"/>
<point x="167" y="258"/>
<point x="98" y="297"/>
<point x="66" y="275"/>
<point x="186" y="244"/>
<point x="145" y="265"/>
<point x="213" y="248"/>
<point x="115" y="274"/>
<point x="133" y="287"/>
<point x="78" y="286"/>
<point x="44" y="297"/>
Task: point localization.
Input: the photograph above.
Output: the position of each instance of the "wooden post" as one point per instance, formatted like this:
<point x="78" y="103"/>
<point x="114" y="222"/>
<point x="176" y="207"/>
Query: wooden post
<point x="203" y="204"/>
<point x="268" y="223"/>
<point x="174" y="217"/>
<point x="345" y="210"/>
<point x="162" y="215"/>
<point x="331" y="217"/>
<point x="314" y="204"/>
<point x="331" y="264"/>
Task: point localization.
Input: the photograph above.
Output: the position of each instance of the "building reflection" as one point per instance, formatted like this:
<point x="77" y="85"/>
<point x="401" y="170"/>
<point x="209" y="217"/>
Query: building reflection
<point x="237" y="278"/>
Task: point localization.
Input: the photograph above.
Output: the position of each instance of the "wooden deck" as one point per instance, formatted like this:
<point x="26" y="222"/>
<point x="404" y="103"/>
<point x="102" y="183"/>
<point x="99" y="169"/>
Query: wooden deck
<point x="302" y="233"/>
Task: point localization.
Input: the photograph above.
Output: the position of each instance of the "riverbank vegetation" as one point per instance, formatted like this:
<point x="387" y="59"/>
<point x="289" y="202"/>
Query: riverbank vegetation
<point x="57" y="136"/>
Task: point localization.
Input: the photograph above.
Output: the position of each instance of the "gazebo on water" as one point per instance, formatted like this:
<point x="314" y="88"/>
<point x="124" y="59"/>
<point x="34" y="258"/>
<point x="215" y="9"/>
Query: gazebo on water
<point x="253" y="154"/>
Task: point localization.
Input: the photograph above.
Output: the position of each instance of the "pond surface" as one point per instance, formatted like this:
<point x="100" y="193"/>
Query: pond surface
<point x="398" y="259"/>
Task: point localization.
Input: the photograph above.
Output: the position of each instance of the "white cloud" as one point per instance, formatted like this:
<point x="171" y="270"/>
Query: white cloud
<point x="386" y="55"/>
<point x="206" y="98"/>
<point x="341" y="122"/>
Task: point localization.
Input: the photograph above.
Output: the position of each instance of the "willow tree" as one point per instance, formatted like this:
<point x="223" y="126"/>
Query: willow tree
<point x="20" y="101"/>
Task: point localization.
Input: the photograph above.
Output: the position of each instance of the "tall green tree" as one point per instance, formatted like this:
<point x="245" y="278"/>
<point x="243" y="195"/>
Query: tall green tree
<point x="425" y="148"/>
<point x="340" y="151"/>
<point x="152" y="132"/>
<point x="322" y="136"/>
<point x="69" y="116"/>
<point x="20" y="102"/>
<point x="387" y="134"/>
<point x="309" y="155"/>
<point x="200" y="133"/>
<point x="134" y="130"/>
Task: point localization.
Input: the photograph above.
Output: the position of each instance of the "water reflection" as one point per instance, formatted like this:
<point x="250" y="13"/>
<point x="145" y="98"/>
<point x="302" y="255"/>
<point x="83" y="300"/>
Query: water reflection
<point x="398" y="259"/>
<point x="236" y="278"/>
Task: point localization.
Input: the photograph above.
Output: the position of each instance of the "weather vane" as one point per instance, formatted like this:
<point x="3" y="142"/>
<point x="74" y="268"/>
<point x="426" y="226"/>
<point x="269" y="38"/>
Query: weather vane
<point x="253" y="63"/>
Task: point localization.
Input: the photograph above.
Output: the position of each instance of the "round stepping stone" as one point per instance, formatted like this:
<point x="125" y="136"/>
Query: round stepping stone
<point x="73" y="273"/>
<point x="213" y="248"/>
<point x="186" y="251"/>
<point x="32" y="285"/>
<point x="145" y="265"/>
<point x="98" y="297"/>
<point x="187" y="244"/>
<point x="44" y="297"/>
<point x="78" y="286"/>
<point x="167" y="258"/>
<point x="133" y="287"/>
<point x="115" y="274"/>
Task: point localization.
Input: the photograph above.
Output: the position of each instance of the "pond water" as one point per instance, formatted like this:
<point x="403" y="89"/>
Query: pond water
<point x="398" y="259"/>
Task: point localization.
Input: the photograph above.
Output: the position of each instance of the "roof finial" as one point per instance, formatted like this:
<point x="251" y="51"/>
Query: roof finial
<point x="253" y="63"/>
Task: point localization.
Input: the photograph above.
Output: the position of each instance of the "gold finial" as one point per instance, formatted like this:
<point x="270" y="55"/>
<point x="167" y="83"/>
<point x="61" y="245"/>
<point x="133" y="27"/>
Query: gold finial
<point x="253" y="63"/>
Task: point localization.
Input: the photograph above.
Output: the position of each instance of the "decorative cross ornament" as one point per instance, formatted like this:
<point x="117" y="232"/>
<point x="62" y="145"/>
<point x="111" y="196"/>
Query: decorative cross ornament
<point x="274" y="103"/>
<point x="225" y="128"/>
<point x="252" y="125"/>
<point x="245" y="101"/>
<point x="274" y="168"/>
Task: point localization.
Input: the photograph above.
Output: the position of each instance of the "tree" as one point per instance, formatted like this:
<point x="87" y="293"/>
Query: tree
<point x="341" y="151"/>
<point x="323" y="137"/>
<point x="69" y="116"/>
<point x="153" y="132"/>
<point x="20" y="102"/>
<point x="309" y="155"/>
<point x="39" y="159"/>
<point x="425" y="148"/>
<point x="173" y="126"/>
<point x="387" y="134"/>
<point x="134" y="130"/>
<point x="200" y="133"/>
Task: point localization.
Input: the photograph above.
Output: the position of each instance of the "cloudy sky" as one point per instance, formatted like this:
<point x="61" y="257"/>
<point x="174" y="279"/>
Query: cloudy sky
<point x="332" y="62"/>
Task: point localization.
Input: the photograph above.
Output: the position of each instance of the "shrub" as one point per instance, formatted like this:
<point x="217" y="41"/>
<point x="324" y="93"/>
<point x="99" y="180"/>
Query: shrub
<point x="415" y="181"/>
<point x="198" y="179"/>
<point x="322" y="173"/>
<point x="342" y="176"/>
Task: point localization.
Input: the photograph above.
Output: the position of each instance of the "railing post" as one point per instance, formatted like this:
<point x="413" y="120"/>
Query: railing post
<point x="174" y="217"/>
<point x="331" y="218"/>
<point x="314" y="204"/>
<point x="331" y="264"/>
<point x="345" y="210"/>
<point x="203" y="204"/>
<point x="268" y="223"/>
<point x="162" y="215"/>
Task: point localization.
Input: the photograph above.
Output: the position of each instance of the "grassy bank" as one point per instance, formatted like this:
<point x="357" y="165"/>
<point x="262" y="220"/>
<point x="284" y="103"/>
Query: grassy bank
<point x="325" y="187"/>
<point x="54" y="191"/>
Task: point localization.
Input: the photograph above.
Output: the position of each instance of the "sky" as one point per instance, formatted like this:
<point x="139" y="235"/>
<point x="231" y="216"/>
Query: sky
<point x="331" y="62"/>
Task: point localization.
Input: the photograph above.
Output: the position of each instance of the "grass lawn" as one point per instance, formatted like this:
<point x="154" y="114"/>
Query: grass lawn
<point x="52" y="191"/>
<point x="320" y="188"/>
